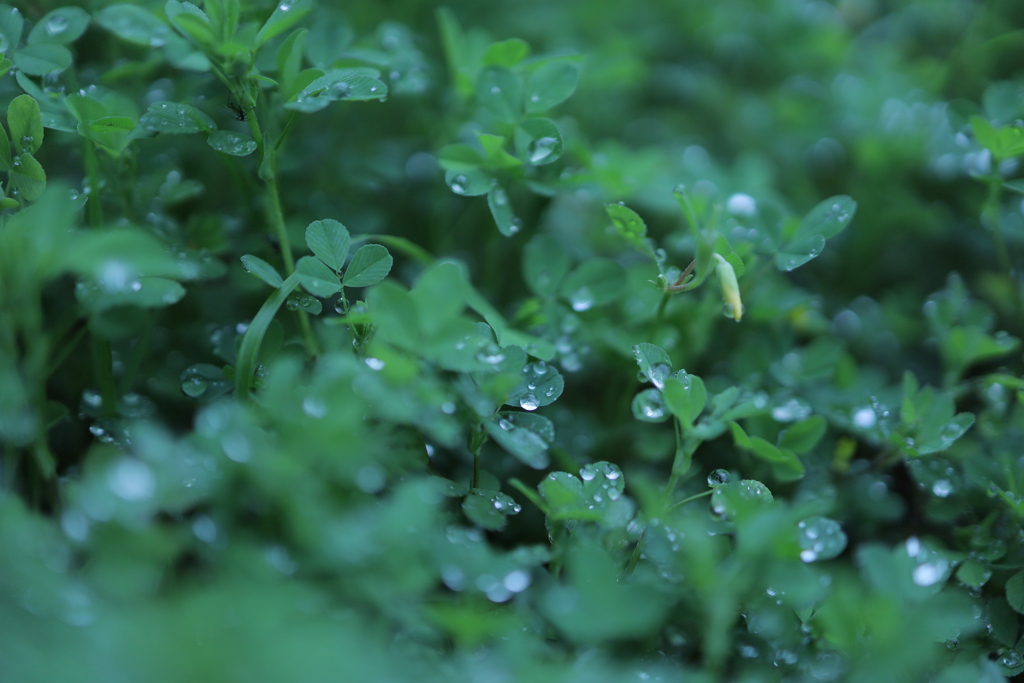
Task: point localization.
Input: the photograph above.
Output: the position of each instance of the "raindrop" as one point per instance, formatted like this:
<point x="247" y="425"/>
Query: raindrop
<point x="742" y="205"/>
<point x="541" y="148"/>
<point x="942" y="488"/>
<point x="314" y="407"/>
<point x="131" y="480"/>
<point x="719" y="477"/>
<point x="374" y="363"/>
<point x="284" y="6"/>
<point x="516" y="581"/>
<point x="649" y="405"/>
<point x="194" y="385"/>
<point x="529" y="401"/>
<point x="820" y="538"/>
<point x="864" y="418"/>
<point x="56" y="25"/>
<point x="659" y="372"/>
<point x="582" y="299"/>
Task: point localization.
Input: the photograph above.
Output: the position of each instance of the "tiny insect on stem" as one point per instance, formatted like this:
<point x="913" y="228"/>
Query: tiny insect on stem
<point x="239" y="113"/>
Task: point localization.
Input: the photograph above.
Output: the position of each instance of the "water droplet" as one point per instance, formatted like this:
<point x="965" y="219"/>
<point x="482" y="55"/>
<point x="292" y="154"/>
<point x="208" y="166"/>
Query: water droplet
<point x="719" y="477"/>
<point x="742" y="205"/>
<point x="930" y="573"/>
<point x="864" y="418"/>
<point x="582" y="299"/>
<point x="459" y="184"/>
<point x="56" y="25"/>
<point x="820" y="538"/>
<point x="588" y="473"/>
<point x="529" y="401"/>
<point x="284" y="6"/>
<point x="131" y="480"/>
<point x="541" y="148"/>
<point x="374" y="363"/>
<point x="649" y="405"/>
<point x="314" y="407"/>
<point x="194" y="385"/>
<point x="517" y="581"/>
<point x="658" y="374"/>
<point x="942" y="488"/>
<point x="792" y="410"/>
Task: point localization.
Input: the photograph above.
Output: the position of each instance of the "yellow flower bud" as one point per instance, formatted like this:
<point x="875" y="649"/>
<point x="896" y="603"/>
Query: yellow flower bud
<point x="730" y="288"/>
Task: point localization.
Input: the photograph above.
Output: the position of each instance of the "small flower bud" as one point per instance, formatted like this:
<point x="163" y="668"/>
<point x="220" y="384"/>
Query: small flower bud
<point x="730" y="288"/>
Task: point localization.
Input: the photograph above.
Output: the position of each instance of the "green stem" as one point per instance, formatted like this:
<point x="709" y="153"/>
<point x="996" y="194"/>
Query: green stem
<point x="995" y="185"/>
<point x="102" y="354"/>
<point x="684" y="501"/>
<point x="245" y="366"/>
<point x="268" y="172"/>
<point x="658" y="316"/>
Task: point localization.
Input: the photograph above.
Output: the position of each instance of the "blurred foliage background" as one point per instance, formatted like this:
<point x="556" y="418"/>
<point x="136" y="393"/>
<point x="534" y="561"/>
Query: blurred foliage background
<point x="389" y="508"/>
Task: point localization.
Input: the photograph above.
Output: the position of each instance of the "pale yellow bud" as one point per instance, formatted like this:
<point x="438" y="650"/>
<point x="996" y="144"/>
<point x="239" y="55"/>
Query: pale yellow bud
<point x="730" y="288"/>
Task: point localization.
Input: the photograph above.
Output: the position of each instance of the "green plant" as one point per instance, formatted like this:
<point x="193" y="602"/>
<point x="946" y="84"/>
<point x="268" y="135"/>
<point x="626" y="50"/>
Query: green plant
<point x="489" y="421"/>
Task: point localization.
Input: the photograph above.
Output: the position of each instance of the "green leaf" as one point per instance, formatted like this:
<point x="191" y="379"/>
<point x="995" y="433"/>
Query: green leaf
<point x="25" y="124"/>
<point x="289" y="59"/>
<point x="655" y="364"/>
<point x="1015" y="592"/>
<point x="550" y="85"/>
<point x="230" y="142"/>
<point x="144" y="292"/>
<point x="285" y="15"/>
<point x="545" y="263"/>
<point x="786" y="466"/>
<point x="606" y="608"/>
<point x="823" y="222"/>
<point x="628" y="223"/>
<point x="561" y="491"/>
<point x="395" y="315"/>
<point x="63" y="25"/>
<point x="370" y="264"/>
<point x="499" y="91"/>
<point x="134" y="24"/>
<point x="525" y="435"/>
<point x="28" y="177"/>
<point x="5" y="151"/>
<point x="460" y="158"/>
<point x="495" y="158"/>
<point x="489" y="509"/>
<point x="685" y="396"/>
<point x="440" y="295"/>
<point x="501" y="211"/>
<point x="470" y="183"/>
<point x="329" y="241"/>
<point x="42" y="59"/>
<point x="339" y="84"/>
<point x="803" y="436"/>
<point x="11" y="25"/>
<point x="176" y="119"/>
<point x="316" y="278"/>
<point x="538" y="141"/>
<point x="595" y="282"/>
<point x="191" y="21"/>
<point x="649" y="406"/>
<point x="305" y="302"/>
<point x="539" y="385"/>
<point x="506" y="53"/>
<point x="828" y="218"/>
<point x="254" y="265"/>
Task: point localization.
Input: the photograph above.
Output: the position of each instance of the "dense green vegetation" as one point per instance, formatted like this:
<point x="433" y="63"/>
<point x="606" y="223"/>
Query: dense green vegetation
<point x="496" y="341"/>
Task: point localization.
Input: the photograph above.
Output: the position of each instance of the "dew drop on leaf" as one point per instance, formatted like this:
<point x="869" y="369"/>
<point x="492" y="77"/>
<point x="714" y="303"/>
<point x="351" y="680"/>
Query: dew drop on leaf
<point x="719" y="477"/>
<point x="529" y="401"/>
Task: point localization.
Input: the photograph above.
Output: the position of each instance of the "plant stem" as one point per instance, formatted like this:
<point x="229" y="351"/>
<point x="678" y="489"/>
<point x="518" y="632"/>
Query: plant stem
<point x="268" y="172"/>
<point x="684" y="501"/>
<point x="656" y="323"/>
<point x="102" y="354"/>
